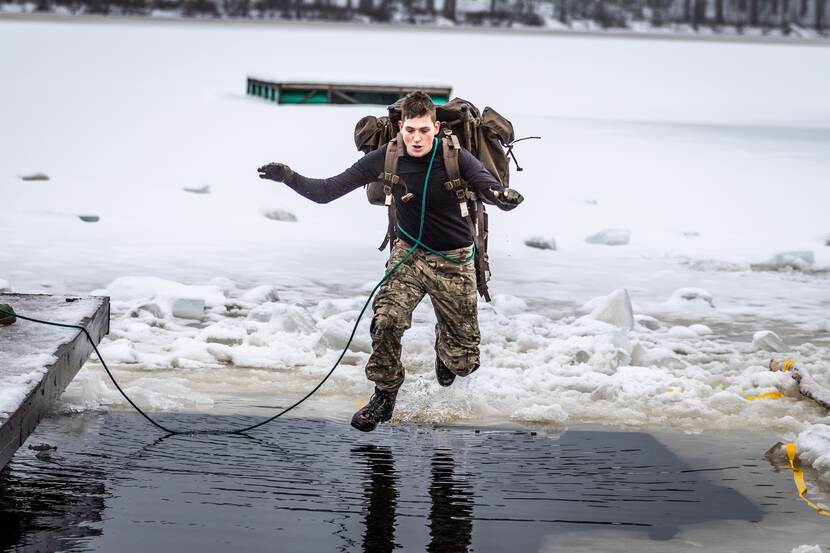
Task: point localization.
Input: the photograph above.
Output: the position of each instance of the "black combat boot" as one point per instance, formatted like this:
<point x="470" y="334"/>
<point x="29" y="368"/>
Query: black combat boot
<point x="379" y="409"/>
<point x="443" y="375"/>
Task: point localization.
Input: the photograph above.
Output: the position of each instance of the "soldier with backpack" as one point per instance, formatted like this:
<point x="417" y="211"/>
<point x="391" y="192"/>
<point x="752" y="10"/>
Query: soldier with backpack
<point x="433" y="189"/>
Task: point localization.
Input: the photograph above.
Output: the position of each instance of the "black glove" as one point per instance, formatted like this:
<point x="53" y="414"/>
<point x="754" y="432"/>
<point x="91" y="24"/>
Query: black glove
<point x="509" y="196"/>
<point x="279" y="172"/>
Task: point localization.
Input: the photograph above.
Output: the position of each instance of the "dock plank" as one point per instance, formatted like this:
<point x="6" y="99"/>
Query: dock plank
<point x="38" y="361"/>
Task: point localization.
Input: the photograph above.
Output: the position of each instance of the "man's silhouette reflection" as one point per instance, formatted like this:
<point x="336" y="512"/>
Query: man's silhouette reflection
<point x="381" y="497"/>
<point x="450" y="516"/>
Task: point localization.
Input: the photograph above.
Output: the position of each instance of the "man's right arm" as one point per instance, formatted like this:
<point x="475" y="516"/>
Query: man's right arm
<point x="322" y="191"/>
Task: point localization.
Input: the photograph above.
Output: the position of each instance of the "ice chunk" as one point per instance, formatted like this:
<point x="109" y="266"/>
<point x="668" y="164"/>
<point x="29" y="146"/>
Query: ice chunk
<point x="508" y="305"/>
<point x="283" y="318"/>
<point x="188" y="308"/>
<point x="279" y="215"/>
<point x="681" y="332"/>
<point x="701" y="330"/>
<point x="691" y="296"/>
<point x="611" y="237"/>
<point x="224" y="333"/>
<point x="261" y="294"/>
<point x="807" y="549"/>
<point x="614" y="309"/>
<point x="119" y="351"/>
<point x="792" y="261"/>
<point x="767" y="340"/>
<point x="541" y="243"/>
<point x="4" y="286"/>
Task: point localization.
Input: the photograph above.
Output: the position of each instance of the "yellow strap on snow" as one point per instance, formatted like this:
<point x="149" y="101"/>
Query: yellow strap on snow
<point x="788" y="365"/>
<point x="798" y="477"/>
<point x="769" y="395"/>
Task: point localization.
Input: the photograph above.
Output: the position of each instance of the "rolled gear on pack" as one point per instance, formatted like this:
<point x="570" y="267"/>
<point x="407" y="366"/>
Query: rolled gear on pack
<point x="488" y="136"/>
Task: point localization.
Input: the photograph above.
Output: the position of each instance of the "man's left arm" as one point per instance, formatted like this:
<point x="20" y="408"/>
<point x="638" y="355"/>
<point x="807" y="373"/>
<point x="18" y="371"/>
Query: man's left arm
<point x="485" y="184"/>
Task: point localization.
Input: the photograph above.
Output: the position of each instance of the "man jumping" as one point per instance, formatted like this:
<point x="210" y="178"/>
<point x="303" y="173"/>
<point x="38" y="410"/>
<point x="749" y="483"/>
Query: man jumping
<point x="451" y="286"/>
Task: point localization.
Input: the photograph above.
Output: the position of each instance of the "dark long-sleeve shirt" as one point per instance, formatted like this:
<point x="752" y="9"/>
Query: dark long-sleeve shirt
<point x="444" y="227"/>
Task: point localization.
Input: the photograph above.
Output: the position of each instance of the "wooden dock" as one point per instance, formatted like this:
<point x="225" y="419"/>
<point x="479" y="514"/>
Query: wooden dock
<point x="38" y="361"/>
<point x="339" y="93"/>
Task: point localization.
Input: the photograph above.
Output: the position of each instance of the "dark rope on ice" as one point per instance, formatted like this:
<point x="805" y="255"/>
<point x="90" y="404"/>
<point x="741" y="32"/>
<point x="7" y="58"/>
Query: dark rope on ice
<point x="158" y="425"/>
<point x="91" y="341"/>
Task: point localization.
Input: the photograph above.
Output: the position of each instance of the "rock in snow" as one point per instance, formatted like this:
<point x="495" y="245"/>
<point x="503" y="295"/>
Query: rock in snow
<point x="793" y="261"/>
<point x="541" y="243"/>
<point x="201" y="190"/>
<point x="648" y="322"/>
<point x="279" y="215"/>
<point x="766" y="340"/>
<point x="611" y="237"/>
<point x="615" y="309"/>
<point x="89" y="218"/>
<point x="35" y="176"/>
<point x="692" y="296"/>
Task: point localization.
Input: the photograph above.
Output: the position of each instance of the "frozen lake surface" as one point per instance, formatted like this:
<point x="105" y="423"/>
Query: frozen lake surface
<point x="714" y="156"/>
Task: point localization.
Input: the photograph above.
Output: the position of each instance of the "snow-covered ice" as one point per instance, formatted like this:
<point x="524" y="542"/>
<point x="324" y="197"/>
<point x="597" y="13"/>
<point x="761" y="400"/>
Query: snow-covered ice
<point x="708" y="180"/>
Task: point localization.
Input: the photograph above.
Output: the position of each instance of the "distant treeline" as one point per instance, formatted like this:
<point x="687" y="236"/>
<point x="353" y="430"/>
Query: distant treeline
<point x="781" y="16"/>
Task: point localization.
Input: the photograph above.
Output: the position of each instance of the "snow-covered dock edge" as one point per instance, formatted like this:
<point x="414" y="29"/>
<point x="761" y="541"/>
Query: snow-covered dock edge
<point x="70" y="356"/>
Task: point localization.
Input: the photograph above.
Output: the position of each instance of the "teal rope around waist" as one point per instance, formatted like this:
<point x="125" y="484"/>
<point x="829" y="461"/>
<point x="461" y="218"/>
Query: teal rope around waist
<point x="436" y="252"/>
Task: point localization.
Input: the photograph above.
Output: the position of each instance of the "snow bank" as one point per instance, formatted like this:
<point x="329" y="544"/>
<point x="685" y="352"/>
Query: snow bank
<point x="813" y="447"/>
<point x="611" y="237"/>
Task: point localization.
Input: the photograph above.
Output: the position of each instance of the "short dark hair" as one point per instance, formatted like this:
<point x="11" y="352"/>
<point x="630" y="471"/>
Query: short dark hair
<point x="417" y="104"/>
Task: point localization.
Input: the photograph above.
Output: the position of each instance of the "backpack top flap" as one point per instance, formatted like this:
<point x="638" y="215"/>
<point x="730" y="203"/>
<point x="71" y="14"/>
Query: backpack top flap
<point x="498" y="125"/>
<point x="371" y="133"/>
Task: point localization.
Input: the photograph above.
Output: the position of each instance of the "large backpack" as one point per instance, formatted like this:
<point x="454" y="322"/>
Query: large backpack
<point x="485" y="135"/>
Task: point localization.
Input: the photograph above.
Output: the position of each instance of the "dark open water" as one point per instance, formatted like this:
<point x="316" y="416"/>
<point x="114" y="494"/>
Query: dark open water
<point x="317" y="485"/>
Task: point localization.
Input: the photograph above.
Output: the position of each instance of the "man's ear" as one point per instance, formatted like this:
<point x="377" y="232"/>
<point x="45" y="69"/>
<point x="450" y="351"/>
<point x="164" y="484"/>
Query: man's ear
<point x="437" y="126"/>
<point x="400" y="125"/>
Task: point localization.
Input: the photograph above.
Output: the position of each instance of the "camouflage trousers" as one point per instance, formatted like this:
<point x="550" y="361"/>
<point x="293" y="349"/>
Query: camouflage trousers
<point x="452" y="289"/>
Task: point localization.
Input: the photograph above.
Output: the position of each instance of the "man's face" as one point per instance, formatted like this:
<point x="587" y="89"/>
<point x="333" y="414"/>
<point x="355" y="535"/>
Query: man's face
<point x="418" y="134"/>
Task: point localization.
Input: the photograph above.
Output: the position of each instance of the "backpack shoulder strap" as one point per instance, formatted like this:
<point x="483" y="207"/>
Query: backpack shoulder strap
<point x="389" y="177"/>
<point x="478" y="230"/>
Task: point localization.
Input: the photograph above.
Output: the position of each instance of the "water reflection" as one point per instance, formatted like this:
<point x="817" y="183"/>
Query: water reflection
<point x="381" y="492"/>
<point x="451" y="514"/>
<point x="450" y="518"/>
<point x="48" y="506"/>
